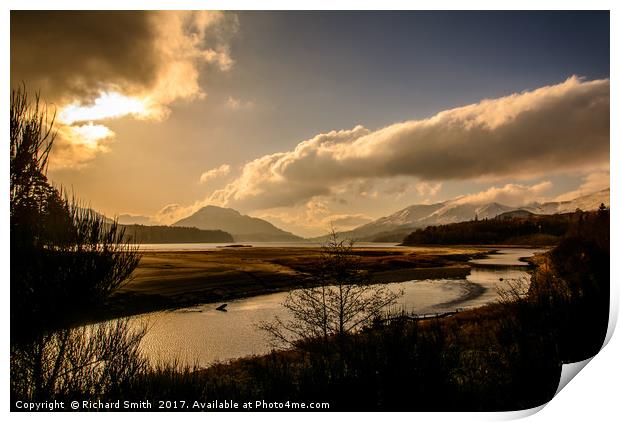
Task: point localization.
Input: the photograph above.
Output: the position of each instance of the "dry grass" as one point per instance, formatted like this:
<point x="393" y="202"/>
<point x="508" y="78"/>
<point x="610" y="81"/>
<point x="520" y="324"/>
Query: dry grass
<point x="175" y="279"/>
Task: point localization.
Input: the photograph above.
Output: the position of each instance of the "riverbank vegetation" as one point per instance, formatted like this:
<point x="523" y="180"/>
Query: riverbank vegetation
<point x="342" y="299"/>
<point x="65" y="259"/>
<point x="505" y="356"/>
<point x="175" y="279"/>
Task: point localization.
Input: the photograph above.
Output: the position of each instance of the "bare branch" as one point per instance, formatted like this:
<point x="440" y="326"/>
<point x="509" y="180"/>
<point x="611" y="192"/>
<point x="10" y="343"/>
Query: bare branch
<point x="344" y="301"/>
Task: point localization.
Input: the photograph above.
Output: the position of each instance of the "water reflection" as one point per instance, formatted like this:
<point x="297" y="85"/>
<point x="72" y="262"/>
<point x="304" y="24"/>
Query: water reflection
<point x="508" y="256"/>
<point x="203" y="335"/>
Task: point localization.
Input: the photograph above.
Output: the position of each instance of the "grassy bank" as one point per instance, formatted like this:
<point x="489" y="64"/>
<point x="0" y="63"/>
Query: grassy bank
<point x="503" y="356"/>
<point x="169" y="280"/>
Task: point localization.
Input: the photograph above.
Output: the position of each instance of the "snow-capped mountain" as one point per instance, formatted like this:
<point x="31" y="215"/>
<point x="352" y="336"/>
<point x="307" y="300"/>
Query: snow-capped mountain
<point x="455" y="210"/>
<point x="587" y="202"/>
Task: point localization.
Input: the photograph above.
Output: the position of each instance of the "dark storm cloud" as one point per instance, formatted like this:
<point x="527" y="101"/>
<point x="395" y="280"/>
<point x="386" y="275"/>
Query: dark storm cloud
<point x="78" y="54"/>
<point x="99" y="65"/>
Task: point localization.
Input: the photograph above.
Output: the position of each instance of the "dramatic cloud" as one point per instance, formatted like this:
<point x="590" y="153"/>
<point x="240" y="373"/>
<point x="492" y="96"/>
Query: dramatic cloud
<point x="592" y="182"/>
<point x="553" y="128"/>
<point x="76" y="55"/>
<point x="511" y="194"/>
<point x="82" y="140"/>
<point x="220" y="171"/>
<point x="108" y="64"/>
<point x="106" y="106"/>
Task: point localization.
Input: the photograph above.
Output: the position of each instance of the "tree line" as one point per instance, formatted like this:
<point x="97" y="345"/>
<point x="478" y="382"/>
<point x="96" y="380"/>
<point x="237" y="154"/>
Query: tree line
<point x="166" y="234"/>
<point x="531" y="230"/>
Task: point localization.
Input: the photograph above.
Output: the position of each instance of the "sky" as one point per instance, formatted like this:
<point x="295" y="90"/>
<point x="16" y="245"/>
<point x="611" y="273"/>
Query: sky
<point x="308" y="118"/>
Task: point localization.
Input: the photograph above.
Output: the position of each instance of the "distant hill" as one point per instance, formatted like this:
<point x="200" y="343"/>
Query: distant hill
<point x="165" y="234"/>
<point x="395" y="226"/>
<point x="243" y="228"/>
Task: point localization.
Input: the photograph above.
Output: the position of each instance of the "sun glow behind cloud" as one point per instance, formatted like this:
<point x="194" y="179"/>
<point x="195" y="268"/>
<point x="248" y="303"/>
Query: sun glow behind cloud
<point x="91" y="134"/>
<point x="81" y="133"/>
<point x="83" y="140"/>
<point x="107" y="106"/>
<point x="154" y="61"/>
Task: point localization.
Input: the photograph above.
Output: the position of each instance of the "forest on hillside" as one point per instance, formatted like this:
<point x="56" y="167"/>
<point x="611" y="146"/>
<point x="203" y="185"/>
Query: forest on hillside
<point x="137" y="233"/>
<point x="535" y="230"/>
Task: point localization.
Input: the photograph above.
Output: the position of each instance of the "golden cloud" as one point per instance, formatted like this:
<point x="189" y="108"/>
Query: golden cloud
<point x="220" y="171"/>
<point x="92" y="73"/>
<point x="550" y="129"/>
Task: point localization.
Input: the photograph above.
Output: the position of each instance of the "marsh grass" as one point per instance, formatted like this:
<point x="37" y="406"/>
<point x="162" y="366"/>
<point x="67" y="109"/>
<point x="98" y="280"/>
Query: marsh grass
<point x="90" y="362"/>
<point x="503" y="356"/>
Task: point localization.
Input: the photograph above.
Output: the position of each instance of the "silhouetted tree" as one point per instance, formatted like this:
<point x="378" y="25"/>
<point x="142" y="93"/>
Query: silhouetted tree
<point x="342" y="299"/>
<point x="64" y="258"/>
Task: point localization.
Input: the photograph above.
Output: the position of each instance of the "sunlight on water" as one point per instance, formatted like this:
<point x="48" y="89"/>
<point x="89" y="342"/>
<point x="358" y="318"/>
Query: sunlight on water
<point x="202" y="335"/>
<point x="175" y="247"/>
<point x="507" y="257"/>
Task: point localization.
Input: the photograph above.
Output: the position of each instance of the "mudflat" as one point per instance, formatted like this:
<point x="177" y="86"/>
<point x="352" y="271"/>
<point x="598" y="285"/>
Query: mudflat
<point x="166" y="280"/>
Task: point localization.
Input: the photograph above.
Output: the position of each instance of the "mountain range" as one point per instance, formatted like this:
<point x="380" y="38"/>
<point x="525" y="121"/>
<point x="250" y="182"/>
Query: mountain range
<point x="392" y="228"/>
<point x="395" y="226"/>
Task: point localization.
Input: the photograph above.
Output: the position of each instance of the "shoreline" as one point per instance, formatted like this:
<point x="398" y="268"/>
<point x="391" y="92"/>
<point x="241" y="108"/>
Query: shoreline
<point x="128" y="304"/>
<point x="167" y="280"/>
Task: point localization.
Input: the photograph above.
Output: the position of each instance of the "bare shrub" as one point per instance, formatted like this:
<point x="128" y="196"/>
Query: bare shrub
<point x="513" y="290"/>
<point x="341" y="300"/>
<point x="65" y="258"/>
<point x="91" y="361"/>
